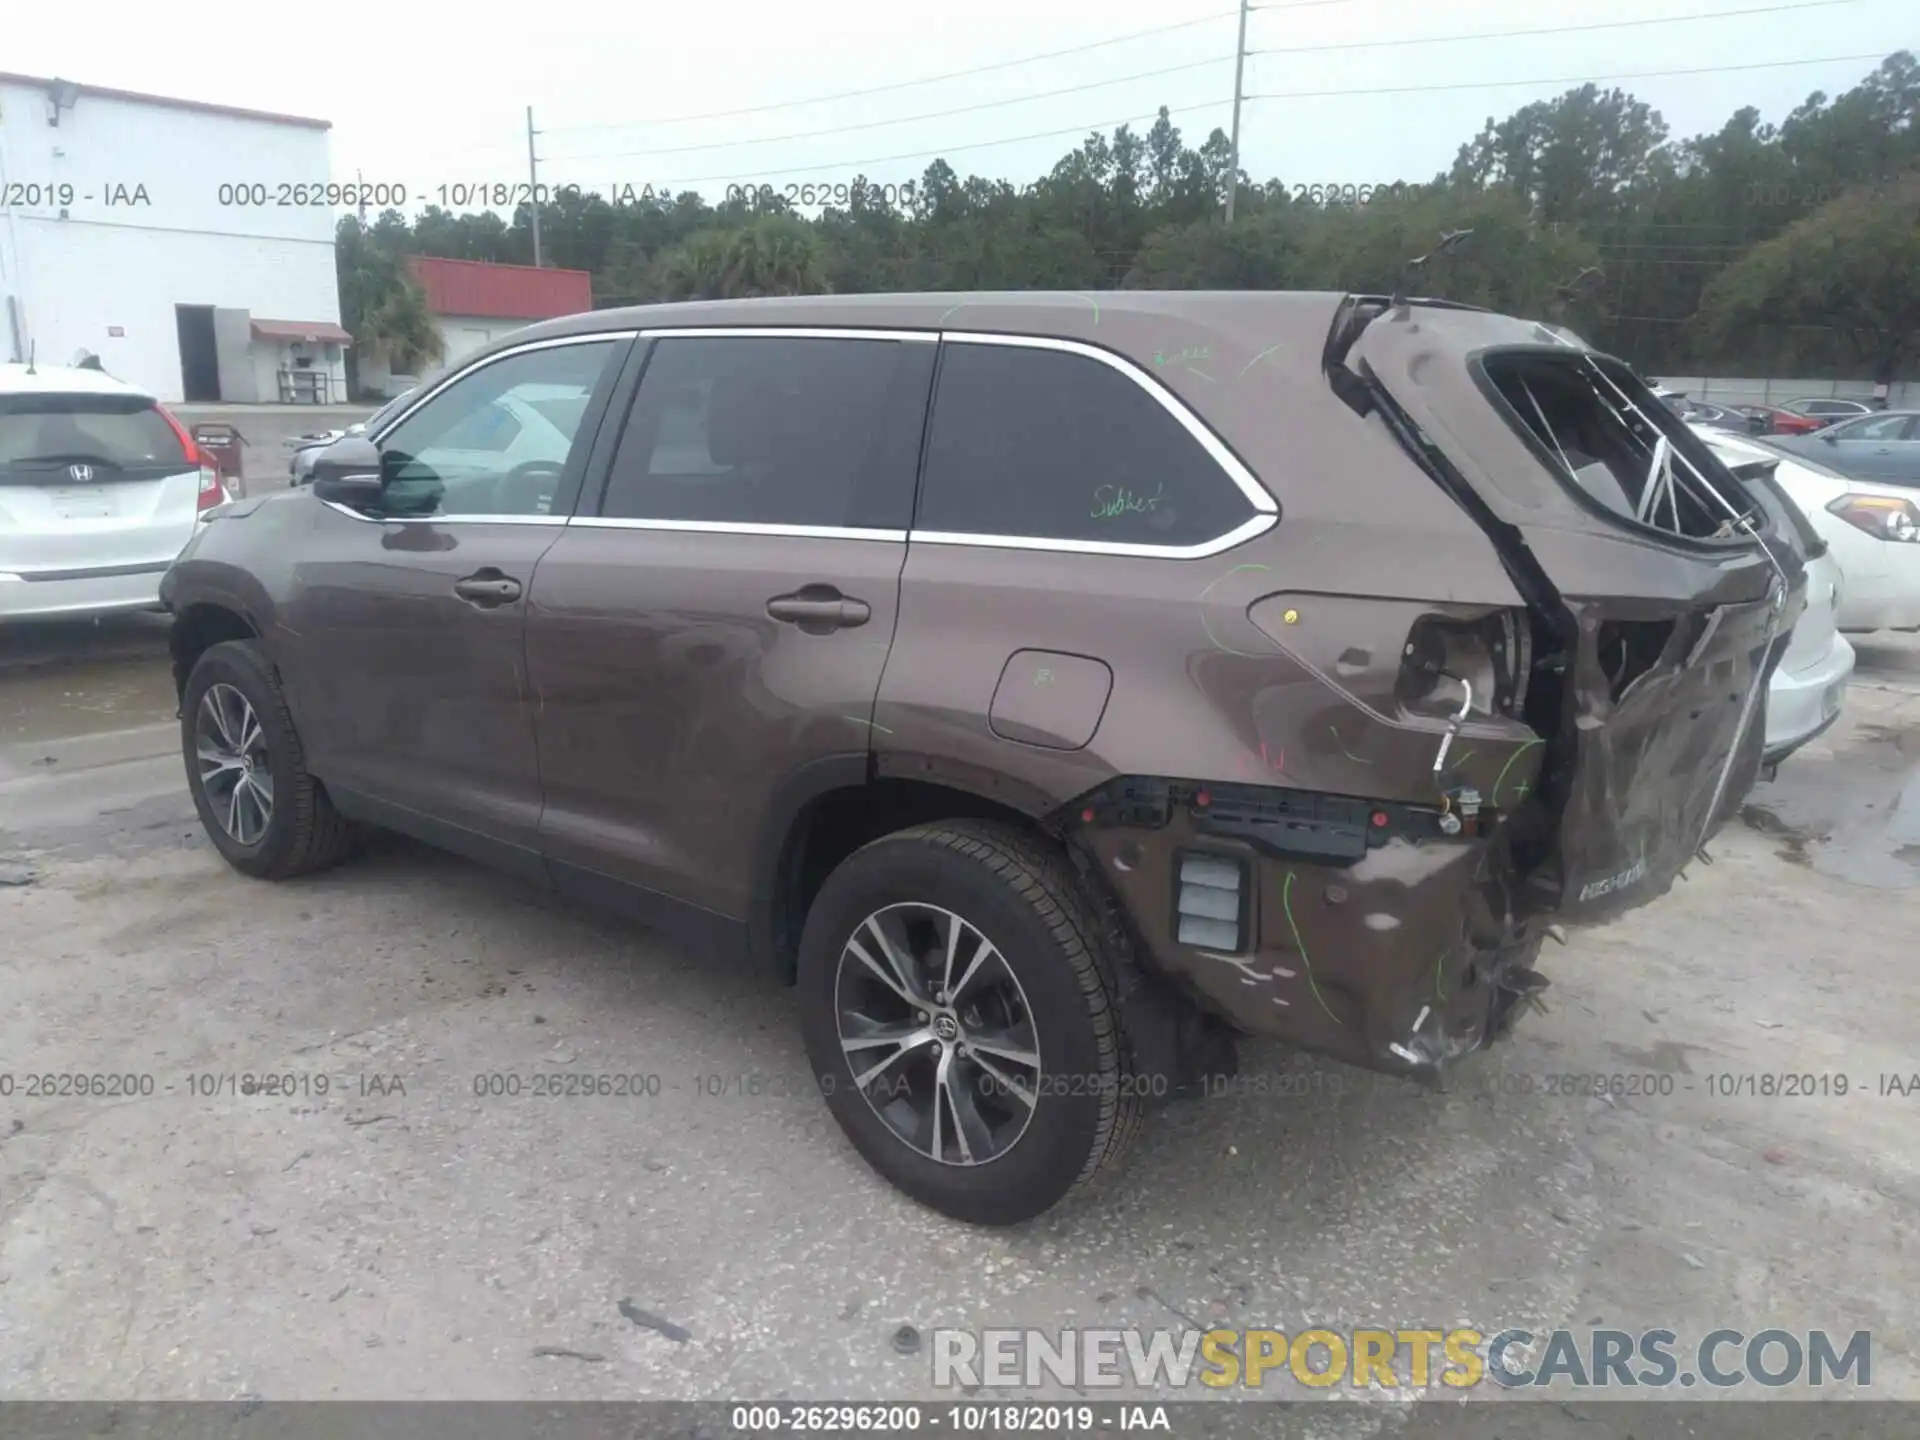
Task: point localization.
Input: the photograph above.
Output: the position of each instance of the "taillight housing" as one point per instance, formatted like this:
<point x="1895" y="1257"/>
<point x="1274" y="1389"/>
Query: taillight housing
<point x="1885" y="517"/>
<point x="1452" y="668"/>
<point x="212" y="492"/>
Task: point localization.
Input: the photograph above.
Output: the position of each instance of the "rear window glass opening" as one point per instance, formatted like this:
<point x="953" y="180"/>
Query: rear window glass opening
<point x="1614" y="441"/>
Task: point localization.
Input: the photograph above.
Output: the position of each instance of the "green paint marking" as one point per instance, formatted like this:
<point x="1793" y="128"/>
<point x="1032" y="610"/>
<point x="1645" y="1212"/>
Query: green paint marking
<point x="1208" y="627"/>
<point x="1286" y="903"/>
<point x="1334" y="731"/>
<point x="1439" y="993"/>
<point x="868" y="723"/>
<point x="1493" y="798"/>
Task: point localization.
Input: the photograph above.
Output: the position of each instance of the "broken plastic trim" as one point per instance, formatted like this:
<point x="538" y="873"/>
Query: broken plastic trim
<point x="1306" y="826"/>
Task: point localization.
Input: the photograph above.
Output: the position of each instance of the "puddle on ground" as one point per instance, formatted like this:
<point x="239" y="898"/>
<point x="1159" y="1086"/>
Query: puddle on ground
<point x="58" y="681"/>
<point x="1855" y="817"/>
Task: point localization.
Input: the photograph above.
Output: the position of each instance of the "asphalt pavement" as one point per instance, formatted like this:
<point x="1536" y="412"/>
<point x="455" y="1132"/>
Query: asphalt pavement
<point x="398" y="1223"/>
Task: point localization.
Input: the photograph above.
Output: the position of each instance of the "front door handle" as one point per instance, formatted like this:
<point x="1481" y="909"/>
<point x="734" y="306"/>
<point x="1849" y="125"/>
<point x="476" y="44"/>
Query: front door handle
<point x="487" y="588"/>
<point x="818" y="609"/>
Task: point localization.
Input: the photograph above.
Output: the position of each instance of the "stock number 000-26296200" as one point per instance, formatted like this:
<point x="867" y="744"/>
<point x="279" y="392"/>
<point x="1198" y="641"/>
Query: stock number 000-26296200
<point x="314" y="194"/>
<point x="820" y="194"/>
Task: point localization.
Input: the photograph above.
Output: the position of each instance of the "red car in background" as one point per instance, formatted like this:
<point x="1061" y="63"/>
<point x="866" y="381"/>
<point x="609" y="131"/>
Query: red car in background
<point x="1772" y="420"/>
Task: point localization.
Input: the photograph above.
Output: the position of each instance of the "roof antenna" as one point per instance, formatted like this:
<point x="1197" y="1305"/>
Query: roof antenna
<point x="32" y="345"/>
<point x="1448" y="240"/>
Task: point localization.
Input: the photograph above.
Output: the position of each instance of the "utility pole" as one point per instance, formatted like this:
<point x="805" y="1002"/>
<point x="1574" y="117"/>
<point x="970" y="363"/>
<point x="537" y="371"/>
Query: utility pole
<point x="533" y="181"/>
<point x="1239" y="68"/>
<point x="360" y="193"/>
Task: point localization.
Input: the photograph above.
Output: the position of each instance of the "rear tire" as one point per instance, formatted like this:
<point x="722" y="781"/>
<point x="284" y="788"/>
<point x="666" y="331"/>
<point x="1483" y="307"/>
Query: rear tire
<point x="236" y="732"/>
<point x="1040" y="1095"/>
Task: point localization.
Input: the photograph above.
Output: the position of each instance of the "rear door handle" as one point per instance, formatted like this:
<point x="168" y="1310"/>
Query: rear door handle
<point x="487" y="588"/>
<point x="818" y="609"/>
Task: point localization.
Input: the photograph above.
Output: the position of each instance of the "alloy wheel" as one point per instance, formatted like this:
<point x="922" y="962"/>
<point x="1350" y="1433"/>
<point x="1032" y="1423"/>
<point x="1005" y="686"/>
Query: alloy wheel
<point x="938" y="1033"/>
<point x="231" y="746"/>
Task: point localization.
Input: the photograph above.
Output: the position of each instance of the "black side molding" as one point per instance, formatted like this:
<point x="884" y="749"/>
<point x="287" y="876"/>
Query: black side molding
<point x="773" y="929"/>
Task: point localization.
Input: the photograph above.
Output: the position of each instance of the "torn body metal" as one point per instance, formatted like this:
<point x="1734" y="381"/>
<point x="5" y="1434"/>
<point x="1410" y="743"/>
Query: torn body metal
<point x="1445" y="778"/>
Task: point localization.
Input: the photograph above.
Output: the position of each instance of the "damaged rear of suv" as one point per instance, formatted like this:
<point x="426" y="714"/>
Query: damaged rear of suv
<point x="1495" y="658"/>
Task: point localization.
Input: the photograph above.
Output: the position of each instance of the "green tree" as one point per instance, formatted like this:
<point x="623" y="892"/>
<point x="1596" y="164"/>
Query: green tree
<point x="775" y="255"/>
<point x="1589" y="181"/>
<point x="1851" y="268"/>
<point x="695" y="269"/>
<point x="403" y="330"/>
<point x="380" y="304"/>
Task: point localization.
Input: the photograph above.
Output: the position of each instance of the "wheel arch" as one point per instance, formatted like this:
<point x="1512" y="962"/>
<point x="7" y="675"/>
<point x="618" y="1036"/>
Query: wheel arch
<point x="197" y="628"/>
<point x="820" y="814"/>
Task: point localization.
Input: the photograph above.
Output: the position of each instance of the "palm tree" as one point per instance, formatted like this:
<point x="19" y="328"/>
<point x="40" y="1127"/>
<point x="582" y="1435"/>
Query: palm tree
<point x="775" y="255"/>
<point x="402" y="329"/>
<point x="695" y="269"/>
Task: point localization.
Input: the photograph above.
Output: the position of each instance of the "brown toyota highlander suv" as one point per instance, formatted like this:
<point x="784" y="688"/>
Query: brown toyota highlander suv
<point x="1052" y="686"/>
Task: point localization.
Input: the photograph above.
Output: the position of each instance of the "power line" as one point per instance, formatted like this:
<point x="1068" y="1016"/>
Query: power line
<point x="907" y="119"/>
<point x="923" y="80"/>
<point x="943" y="151"/>
<point x="1561" y="79"/>
<point x="1549" y="30"/>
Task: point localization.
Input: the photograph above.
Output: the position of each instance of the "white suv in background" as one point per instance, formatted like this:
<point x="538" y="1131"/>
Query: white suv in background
<point x="99" y="490"/>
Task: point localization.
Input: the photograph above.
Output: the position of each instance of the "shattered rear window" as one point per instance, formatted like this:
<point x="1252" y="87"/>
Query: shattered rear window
<point x="1615" y="442"/>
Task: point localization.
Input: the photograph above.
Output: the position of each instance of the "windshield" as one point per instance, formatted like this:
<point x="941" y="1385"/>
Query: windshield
<point x="115" y="433"/>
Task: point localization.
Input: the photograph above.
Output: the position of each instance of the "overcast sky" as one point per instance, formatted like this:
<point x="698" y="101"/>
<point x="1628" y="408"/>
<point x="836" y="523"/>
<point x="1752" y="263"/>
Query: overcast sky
<point x="628" y="93"/>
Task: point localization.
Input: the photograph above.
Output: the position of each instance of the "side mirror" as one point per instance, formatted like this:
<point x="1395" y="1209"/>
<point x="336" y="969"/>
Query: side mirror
<point x="359" y="427"/>
<point x="1828" y="436"/>
<point x="348" y="473"/>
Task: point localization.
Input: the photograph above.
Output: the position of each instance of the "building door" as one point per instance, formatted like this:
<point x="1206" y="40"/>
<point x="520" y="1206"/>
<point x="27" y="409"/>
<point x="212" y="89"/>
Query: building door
<point x="199" y="357"/>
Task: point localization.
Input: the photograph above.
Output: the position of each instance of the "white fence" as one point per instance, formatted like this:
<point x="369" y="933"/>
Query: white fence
<point x="1901" y="395"/>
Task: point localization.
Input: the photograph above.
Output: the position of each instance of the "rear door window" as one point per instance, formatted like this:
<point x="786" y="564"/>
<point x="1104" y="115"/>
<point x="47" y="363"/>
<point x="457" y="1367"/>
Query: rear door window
<point x="1882" y="427"/>
<point x="1049" y="444"/>
<point x="118" y="437"/>
<point x="774" y="430"/>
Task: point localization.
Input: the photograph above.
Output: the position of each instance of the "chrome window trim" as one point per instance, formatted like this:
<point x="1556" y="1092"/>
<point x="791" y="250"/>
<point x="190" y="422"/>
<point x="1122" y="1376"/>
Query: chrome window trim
<point x="738" y="527"/>
<point x="787" y="332"/>
<point x="1239" y="535"/>
<point x="1244" y="480"/>
<point x="461" y="518"/>
<point x="527" y="347"/>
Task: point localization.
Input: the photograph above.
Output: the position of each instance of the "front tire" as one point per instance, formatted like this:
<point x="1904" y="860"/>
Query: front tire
<point x="247" y="771"/>
<point x="958" y="1005"/>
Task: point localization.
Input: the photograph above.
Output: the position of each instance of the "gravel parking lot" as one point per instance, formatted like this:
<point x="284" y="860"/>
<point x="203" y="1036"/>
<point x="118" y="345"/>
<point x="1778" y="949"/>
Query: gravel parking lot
<point x="397" y="1226"/>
